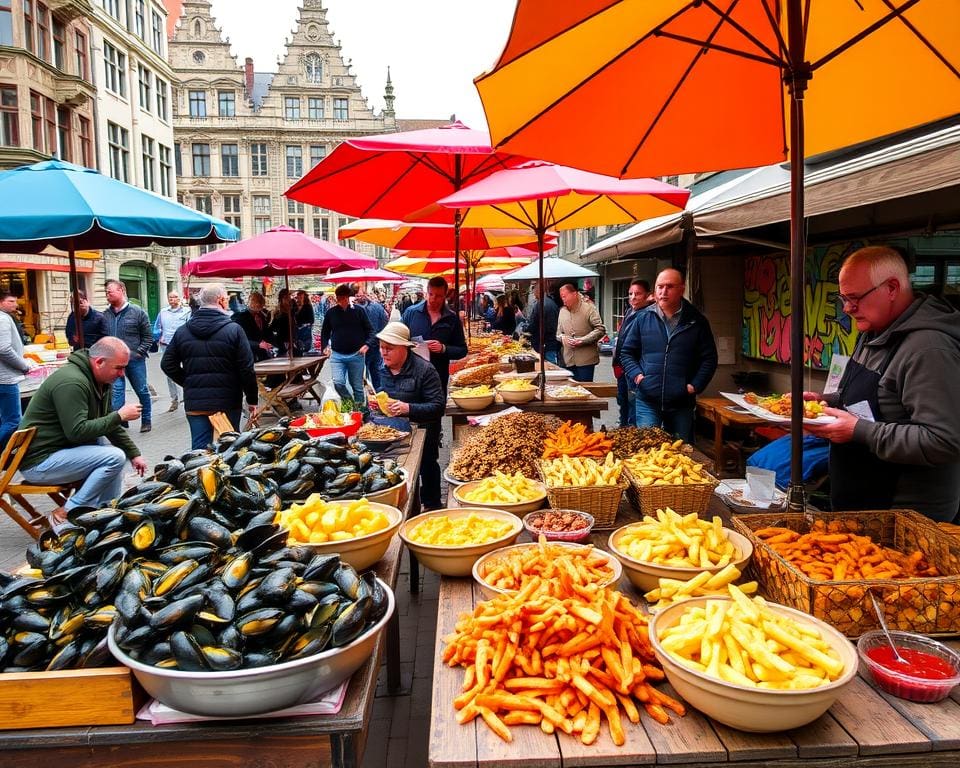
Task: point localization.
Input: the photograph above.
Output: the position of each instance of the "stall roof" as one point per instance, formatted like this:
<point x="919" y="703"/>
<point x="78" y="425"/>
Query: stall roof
<point x="761" y="196"/>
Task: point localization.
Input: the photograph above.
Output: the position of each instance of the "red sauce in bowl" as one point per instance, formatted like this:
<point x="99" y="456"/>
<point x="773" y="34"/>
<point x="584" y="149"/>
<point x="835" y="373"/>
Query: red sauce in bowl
<point x="920" y="676"/>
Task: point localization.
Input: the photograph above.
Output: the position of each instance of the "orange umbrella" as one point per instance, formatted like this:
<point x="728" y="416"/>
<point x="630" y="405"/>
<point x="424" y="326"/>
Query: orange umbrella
<point x="708" y="85"/>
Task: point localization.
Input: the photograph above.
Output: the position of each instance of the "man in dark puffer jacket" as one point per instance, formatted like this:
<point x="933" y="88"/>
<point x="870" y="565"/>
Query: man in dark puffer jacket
<point x="210" y="358"/>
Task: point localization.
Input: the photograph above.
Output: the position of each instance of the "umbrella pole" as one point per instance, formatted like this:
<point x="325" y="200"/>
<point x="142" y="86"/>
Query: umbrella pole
<point x="541" y="231"/>
<point x="456" y="261"/>
<point x="75" y="289"/>
<point x="286" y="284"/>
<point x="797" y="84"/>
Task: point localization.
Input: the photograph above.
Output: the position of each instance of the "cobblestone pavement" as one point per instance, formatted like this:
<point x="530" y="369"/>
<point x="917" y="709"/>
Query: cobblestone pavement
<point x="400" y="728"/>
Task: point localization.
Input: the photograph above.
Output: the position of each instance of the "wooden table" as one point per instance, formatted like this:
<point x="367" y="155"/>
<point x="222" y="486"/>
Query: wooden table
<point x="723" y="413"/>
<point x="299" y="376"/>
<point x="324" y="740"/>
<point x="584" y="411"/>
<point x="864" y="727"/>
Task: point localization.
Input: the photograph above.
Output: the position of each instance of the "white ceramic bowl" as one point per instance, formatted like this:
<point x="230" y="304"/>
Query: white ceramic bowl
<point x="646" y="576"/>
<point x="363" y="551"/>
<point x="458" y="561"/>
<point x="520" y="508"/>
<point x="245" y="692"/>
<point x="518" y="396"/>
<point x="757" y="710"/>
<point x="489" y="591"/>
<point x="477" y="403"/>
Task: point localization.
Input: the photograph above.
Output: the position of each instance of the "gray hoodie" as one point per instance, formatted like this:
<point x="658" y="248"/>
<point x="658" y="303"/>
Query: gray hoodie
<point x="918" y="398"/>
<point x="12" y="365"/>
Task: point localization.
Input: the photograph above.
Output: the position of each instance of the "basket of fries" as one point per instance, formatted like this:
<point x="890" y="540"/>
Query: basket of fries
<point x="826" y="567"/>
<point x="668" y="477"/>
<point x="573" y="489"/>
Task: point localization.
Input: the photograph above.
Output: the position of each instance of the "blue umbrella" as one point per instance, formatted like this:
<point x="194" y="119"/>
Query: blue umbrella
<point x="71" y="207"/>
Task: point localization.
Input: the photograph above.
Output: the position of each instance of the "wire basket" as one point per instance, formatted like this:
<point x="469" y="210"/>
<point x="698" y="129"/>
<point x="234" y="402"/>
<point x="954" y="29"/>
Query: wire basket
<point x="687" y="498"/>
<point x="600" y="501"/>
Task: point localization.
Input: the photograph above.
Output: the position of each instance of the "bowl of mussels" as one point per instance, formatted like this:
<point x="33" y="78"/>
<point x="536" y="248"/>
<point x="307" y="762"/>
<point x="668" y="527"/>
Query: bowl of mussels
<point x="266" y="643"/>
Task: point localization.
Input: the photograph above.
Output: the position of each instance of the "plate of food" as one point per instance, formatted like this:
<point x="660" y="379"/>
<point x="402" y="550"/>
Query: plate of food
<point x="777" y="407"/>
<point x="380" y="436"/>
<point x="569" y="392"/>
<point x="732" y="491"/>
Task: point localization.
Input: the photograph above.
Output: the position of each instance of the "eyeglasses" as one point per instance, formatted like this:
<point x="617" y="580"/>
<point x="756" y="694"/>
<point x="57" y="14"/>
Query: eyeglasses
<point x="853" y="300"/>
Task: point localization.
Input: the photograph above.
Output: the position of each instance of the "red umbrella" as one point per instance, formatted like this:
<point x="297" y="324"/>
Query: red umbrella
<point x="422" y="236"/>
<point x="402" y="175"/>
<point x="366" y="276"/>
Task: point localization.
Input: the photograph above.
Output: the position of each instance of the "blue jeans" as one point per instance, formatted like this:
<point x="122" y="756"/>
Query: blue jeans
<point x="678" y="422"/>
<point x="305" y="338"/>
<point x="347" y="371"/>
<point x="201" y="430"/>
<point x="625" y="398"/>
<point x="374" y="359"/>
<point x="100" y="467"/>
<point x="9" y="411"/>
<point x="137" y="373"/>
<point x="581" y="372"/>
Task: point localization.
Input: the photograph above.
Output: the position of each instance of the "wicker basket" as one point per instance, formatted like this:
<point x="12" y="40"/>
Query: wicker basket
<point x="601" y="501"/>
<point x="692" y="497"/>
<point x="928" y="605"/>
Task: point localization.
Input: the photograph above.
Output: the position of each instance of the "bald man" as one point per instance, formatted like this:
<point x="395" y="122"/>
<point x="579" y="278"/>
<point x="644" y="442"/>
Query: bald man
<point x="895" y="442"/>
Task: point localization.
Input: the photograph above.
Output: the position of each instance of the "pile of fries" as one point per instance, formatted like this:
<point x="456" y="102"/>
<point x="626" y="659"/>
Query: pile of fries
<point x="559" y="655"/>
<point x="666" y="465"/>
<point x="704" y="584"/>
<point x="581" y="472"/>
<point x="678" y="541"/>
<point x="571" y="439"/>
<point x="840" y="556"/>
<point x="547" y="560"/>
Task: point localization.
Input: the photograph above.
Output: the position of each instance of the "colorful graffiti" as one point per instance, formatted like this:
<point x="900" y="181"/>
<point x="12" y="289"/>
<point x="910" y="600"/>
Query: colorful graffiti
<point x="767" y="313"/>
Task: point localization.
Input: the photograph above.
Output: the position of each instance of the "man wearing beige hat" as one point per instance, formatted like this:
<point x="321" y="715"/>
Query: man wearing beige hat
<point x="415" y="392"/>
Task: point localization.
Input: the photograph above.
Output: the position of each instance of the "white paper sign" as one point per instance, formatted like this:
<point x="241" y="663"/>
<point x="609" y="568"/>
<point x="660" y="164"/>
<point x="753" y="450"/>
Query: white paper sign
<point x="422" y="350"/>
<point x="838" y="364"/>
<point x="861" y="410"/>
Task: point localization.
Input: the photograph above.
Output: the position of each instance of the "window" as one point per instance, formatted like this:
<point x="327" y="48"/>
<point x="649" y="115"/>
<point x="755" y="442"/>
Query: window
<point x="291" y="109"/>
<point x="295" y="215"/>
<point x="296" y="222"/>
<point x="148" y="155"/>
<point x="294" y="207"/>
<point x="163" y="108"/>
<point x="339" y="109"/>
<point x="258" y="159"/>
<point x="6" y="22"/>
<point x="50" y="125"/>
<point x="231" y="210"/>
<point x="86" y="143"/>
<point x="166" y="172"/>
<point x="59" y="44"/>
<point x="198" y="104"/>
<point x="178" y="158"/>
<point x="229" y="160"/>
<point x="112" y="7"/>
<point x="321" y="228"/>
<point x="204" y="204"/>
<point x="317" y="153"/>
<point x="115" y="64"/>
<point x="36" y="120"/>
<point x="117" y="141"/>
<point x="145" y="76"/>
<point x="260" y="224"/>
<point x="201" y="159"/>
<point x="314" y="68"/>
<point x="315" y="108"/>
<point x="43" y="32"/>
<point x="156" y="29"/>
<point x="261" y="205"/>
<point x="9" y="117"/>
<point x="227" y="101"/>
<point x="65" y="134"/>
<point x="28" y="26"/>
<point x="294" y="162"/>
<point x="80" y="52"/>
<point x="139" y="19"/>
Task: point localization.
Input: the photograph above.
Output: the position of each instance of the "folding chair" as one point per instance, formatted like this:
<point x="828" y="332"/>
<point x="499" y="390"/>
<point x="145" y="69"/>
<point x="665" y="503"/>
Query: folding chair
<point x="14" y="451"/>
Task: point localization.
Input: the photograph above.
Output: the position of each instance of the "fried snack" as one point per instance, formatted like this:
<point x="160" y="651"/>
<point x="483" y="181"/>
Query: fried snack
<point x="629" y="441"/>
<point x="383" y="400"/>
<point x="504" y="489"/>
<point x="746" y="643"/>
<point x="561" y="655"/>
<point x="378" y="432"/>
<point x="568" y="392"/>
<point x="678" y="541"/>
<point x="571" y="439"/>
<point x="444" y="531"/>
<point x="510" y="444"/>
<point x="512" y="569"/>
<point x="479" y="374"/>
<point x="666" y="465"/>
<point x="843" y="555"/>
<point x="578" y="471"/>
<point x="328" y="416"/>
<point x="704" y="584"/>
<point x="315" y="521"/>
<point x="516" y="385"/>
<point x="781" y="405"/>
<point x="481" y="390"/>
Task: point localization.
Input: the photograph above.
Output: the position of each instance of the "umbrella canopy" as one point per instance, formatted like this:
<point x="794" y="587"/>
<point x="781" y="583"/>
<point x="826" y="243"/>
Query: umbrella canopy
<point x="278" y="251"/>
<point x="550" y="269"/>
<point x="408" y="236"/>
<point x="731" y="65"/>
<point x="366" y="276"/>
<point x="75" y="208"/>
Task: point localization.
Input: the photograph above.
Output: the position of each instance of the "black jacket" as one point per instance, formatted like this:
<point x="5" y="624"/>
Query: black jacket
<point x="418" y="384"/>
<point x="210" y="358"/>
<point x="94" y="328"/>
<point x="246" y="320"/>
<point x="132" y="326"/>
<point x="551" y="313"/>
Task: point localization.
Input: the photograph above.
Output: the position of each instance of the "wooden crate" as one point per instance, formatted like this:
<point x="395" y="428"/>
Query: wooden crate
<point x="102" y="696"/>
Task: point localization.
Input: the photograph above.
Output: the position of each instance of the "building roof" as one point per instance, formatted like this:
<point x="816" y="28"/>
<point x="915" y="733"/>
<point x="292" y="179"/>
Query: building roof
<point x="419" y="125"/>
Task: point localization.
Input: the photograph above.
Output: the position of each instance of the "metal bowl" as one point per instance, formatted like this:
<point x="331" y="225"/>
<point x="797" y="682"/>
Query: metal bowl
<point x="244" y="692"/>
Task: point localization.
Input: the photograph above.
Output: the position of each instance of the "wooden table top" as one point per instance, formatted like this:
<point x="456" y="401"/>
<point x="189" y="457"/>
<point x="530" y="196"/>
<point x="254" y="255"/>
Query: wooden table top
<point x="863" y="728"/>
<point x="286" y="365"/>
<point x="593" y="405"/>
<point x="354" y="716"/>
<point x="728" y="412"/>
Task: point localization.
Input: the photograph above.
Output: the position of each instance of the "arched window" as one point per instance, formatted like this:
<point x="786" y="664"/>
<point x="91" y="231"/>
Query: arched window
<point x="197" y="28"/>
<point x="314" y="68"/>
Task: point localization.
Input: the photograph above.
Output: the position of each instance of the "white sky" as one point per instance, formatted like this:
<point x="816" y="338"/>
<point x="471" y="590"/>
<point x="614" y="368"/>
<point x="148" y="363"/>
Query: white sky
<point x="434" y="47"/>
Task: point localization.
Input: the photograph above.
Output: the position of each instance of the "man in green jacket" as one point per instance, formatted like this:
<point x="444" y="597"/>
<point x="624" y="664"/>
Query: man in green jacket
<point x="74" y="443"/>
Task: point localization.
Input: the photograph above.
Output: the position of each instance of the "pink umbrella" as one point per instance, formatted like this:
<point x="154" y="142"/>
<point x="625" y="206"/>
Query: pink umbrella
<point x="366" y="276"/>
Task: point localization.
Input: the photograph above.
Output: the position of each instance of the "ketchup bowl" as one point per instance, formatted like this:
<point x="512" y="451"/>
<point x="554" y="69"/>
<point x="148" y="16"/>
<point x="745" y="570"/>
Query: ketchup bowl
<point x="931" y="672"/>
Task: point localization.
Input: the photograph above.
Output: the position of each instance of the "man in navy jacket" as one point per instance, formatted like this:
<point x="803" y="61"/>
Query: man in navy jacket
<point x="434" y="322"/>
<point x="669" y="356"/>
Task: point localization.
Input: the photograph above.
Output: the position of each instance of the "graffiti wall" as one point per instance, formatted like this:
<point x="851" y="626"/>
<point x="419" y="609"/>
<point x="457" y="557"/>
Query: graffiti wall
<point x="767" y="314"/>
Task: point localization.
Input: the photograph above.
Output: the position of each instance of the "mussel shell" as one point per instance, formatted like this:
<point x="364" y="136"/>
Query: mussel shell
<point x="178" y="612"/>
<point x="173" y="576"/>
<point x="278" y="585"/>
<point x="321" y="567"/>
<point x="187" y="652"/>
<point x="202" y="551"/>
<point x="314" y="640"/>
<point x="205" y="529"/>
<point x="346" y="578"/>
<point x="31" y="621"/>
<point x="221" y="659"/>
<point x="236" y="571"/>
<point x="350" y="623"/>
<point x="259" y="622"/>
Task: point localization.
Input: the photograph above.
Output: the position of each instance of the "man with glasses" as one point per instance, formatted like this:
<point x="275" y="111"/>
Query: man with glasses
<point x="895" y="442"/>
<point x="168" y="321"/>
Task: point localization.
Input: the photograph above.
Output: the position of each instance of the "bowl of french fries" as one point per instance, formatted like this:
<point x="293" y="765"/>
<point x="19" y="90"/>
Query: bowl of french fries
<point x="504" y="571"/>
<point x="517" y="391"/>
<point x="509" y="493"/>
<point x="673" y="546"/>
<point x="474" y="398"/>
<point x="450" y="541"/>
<point x="749" y="664"/>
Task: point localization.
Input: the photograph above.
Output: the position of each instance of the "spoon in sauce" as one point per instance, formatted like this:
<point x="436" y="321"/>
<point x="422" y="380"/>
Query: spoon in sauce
<point x="883" y="626"/>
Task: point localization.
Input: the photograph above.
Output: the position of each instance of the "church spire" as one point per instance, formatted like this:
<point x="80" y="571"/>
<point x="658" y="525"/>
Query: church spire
<point x="388" y="97"/>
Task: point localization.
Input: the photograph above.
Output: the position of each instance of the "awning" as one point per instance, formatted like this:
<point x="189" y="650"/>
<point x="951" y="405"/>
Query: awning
<point x="20" y="263"/>
<point x="761" y="196"/>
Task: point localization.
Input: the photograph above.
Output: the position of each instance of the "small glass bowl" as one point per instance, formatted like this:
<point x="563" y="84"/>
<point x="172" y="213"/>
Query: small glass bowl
<point x="581" y="534"/>
<point x="903" y="684"/>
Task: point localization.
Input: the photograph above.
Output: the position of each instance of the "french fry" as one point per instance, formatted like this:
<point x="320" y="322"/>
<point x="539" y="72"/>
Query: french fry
<point x="683" y="541"/>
